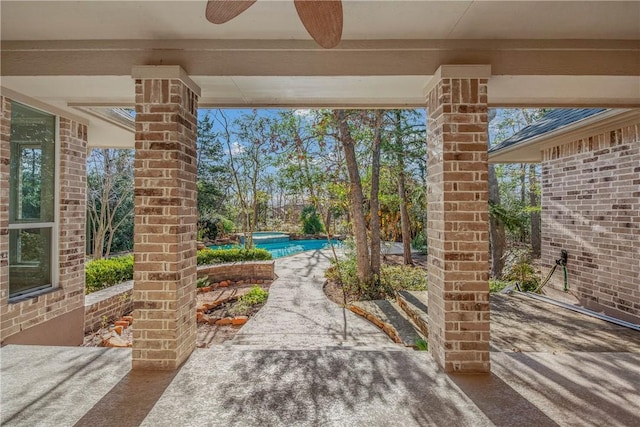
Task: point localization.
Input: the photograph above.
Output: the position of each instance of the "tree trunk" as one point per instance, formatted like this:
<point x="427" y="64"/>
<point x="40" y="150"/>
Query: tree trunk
<point x="536" y="228"/>
<point x="404" y="218"/>
<point x="496" y="228"/>
<point x="402" y="194"/>
<point x="327" y="222"/>
<point x="374" y="202"/>
<point x="357" y="200"/>
<point x="523" y="197"/>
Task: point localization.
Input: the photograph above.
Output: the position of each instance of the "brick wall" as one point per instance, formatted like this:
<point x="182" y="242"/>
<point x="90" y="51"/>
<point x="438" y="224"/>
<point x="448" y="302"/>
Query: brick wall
<point x="107" y="305"/>
<point x="253" y="270"/>
<point x="457" y="194"/>
<point x="591" y="208"/>
<point x="69" y="295"/>
<point x="115" y="301"/>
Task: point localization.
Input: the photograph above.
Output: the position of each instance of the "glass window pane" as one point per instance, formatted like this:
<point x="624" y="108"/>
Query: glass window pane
<point x="32" y="165"/>
<point x="29" y="260"/>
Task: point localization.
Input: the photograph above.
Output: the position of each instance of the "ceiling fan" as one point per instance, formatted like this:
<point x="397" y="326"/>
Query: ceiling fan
<point x="321" y="18"/>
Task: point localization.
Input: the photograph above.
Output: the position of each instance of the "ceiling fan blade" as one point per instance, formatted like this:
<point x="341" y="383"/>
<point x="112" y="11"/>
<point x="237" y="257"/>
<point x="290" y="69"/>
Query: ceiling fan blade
<point x="221" y="11"/>
<point x="322" y="19"/>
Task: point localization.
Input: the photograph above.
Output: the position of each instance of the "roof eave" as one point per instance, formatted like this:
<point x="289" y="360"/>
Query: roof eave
<point x="530" y="150"/>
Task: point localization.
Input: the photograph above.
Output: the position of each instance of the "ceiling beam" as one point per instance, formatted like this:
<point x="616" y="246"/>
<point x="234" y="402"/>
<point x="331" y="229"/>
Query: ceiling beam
<point x="301" y="58"/>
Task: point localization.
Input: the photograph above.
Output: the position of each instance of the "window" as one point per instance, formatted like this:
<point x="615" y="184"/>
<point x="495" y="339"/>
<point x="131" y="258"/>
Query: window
<point x="31" y="200"/>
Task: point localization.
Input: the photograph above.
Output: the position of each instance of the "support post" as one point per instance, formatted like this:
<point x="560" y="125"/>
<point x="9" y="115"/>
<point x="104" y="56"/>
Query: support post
<point x="164" y="328"/>
<point x="457" y="218"/>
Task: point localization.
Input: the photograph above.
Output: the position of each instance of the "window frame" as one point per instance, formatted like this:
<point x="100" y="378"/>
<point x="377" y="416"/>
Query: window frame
<point x="53" y="225"/>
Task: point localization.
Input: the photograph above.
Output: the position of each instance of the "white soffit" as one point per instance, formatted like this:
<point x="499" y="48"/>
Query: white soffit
<point x="568" y="91"/>
<point x="366" y="20"/>
<point x="372" y="91"/>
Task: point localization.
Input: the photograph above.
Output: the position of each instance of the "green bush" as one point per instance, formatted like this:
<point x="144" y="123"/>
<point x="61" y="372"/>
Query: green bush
<point x="219" y="256"/>
<point x="497" y="285"/>
<point x="523" y="273"/>
<point x="102" y="273"/>
<point x="245" y="303"/>
<point x="404" y="278"/>
<point x="420" y="242"/>
<point x="311" y="222"/>
<point x="393" y="278"/>
<point x="202" y="282"/>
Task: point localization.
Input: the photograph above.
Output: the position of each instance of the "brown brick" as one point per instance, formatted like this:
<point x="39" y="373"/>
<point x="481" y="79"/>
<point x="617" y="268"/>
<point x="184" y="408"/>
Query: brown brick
<point x="457" y="222"/>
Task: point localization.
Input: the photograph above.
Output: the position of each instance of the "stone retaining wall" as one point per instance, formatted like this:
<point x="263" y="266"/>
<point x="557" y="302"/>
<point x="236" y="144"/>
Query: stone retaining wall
<point x="249" y="270"/>
<point x="104" y="306"/>
<point x="108" y="304"/>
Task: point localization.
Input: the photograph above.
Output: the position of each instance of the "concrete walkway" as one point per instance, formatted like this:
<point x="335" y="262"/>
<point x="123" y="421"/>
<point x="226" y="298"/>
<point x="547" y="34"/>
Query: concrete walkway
<point x="298" y="315"/>
<point x="304" y="362"/>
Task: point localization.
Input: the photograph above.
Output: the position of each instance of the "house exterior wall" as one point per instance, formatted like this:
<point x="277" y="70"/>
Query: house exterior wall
<point x="591" y="208"/>
<point x="54" y="317"/>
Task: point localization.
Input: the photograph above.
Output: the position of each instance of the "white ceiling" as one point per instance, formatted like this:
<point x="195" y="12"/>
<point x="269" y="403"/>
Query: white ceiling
<point x="366" y="20"/>
<point x="556" y="53"/>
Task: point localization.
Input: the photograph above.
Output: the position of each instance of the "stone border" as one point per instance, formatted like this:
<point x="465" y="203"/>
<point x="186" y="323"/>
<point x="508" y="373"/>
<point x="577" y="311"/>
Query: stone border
<point x="108" y="304"/>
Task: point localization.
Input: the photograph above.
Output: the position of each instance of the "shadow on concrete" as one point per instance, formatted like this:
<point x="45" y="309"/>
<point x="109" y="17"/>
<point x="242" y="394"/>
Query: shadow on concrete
<point x="524" y="324"/>
<point x="56" y="385"/>
<point x="313" y="387"/>
<point x="130" y="401"/>
<point x="499" y="402"/>
<point x="576" y="388"/>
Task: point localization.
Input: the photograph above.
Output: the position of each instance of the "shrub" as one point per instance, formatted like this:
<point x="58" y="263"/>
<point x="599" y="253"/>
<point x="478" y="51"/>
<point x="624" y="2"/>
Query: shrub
<point x="102" y="273"/>
<point x="497" y="285"/>
<point x="523" y="273"/>
<point x="218" y="256"/>
<point x="420" y="242"/>
<point x="208" y="229"/>
<point x="393" y="278"/>
<point x="212" y="228"/>
<point x="311" y="223"/>
<point x="202" y="282"/>
<point x="245" y="303"/>
<point x="404" y="278"/>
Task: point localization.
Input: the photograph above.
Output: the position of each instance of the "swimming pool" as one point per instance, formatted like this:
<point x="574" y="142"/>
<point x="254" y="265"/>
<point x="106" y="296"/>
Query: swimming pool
<point x="263" y="237"/>
<point x="290" y="247"/>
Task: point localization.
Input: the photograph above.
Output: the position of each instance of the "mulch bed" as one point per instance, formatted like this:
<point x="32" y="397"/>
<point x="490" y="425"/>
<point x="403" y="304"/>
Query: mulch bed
<point x="208" y="334"/>
<point x="334" y="291"/>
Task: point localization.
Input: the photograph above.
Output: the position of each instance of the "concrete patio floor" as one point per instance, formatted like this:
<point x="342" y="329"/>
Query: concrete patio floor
<point x="321" y="366"/>
<point x="64" y="386"/>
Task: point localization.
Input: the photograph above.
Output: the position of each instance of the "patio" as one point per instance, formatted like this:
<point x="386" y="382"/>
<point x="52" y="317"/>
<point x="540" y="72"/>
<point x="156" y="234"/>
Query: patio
<point x="549" y="367"/>
<point x="64" y="63"/>
<point x="228" y="385"/>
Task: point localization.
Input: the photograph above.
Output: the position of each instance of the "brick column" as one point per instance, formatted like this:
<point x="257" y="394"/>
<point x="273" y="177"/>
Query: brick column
<point x="457" y="218"/>
<point x="5" y="156"/>
<point x="164" y="329"/>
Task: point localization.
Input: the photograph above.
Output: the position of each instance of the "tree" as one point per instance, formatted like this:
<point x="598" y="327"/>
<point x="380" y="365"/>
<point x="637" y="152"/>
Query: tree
<point x="311" y="220"/>
<point x="497" y="240"/>
<point x="516" y="202"/>
<point x="356" y="196"/>
<point x="408" y="143"/>
<point x="374" y="203"/>
<point x="212" y="175"/>
<point x="110" y="199"/>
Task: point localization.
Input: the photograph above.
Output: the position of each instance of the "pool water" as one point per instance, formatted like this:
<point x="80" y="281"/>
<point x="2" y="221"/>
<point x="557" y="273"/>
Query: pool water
<point x="261" y="237"/>
<point x="290" y="247"/>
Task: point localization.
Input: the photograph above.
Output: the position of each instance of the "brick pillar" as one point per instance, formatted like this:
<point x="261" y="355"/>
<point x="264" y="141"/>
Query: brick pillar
<point x="457" y="218"/>
<point x="164" y="330"/>
<point x="5" y="155"/>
